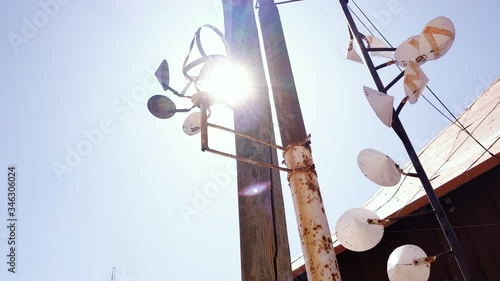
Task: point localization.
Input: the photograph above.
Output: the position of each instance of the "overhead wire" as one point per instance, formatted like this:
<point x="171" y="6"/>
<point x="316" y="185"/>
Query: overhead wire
<point x="461" y="125"/>
<point x="367" y="18"/>
<point x="393" y="195"/>
<point x="360" y="21"/>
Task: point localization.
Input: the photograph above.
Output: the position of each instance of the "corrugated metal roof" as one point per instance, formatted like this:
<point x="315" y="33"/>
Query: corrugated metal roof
<point x="450" y="160"/>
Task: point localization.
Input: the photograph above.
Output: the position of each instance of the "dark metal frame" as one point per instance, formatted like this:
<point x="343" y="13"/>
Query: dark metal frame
<point x="398" y="128"/>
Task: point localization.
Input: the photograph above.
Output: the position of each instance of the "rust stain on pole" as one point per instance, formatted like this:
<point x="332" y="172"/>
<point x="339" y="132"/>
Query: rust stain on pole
<point x="319" y="255"/>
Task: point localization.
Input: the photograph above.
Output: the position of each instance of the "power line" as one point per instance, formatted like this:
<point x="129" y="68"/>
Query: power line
<point x="461" y="125"/>
<point x="360" y="21"/>
<point x="378" y="31"/>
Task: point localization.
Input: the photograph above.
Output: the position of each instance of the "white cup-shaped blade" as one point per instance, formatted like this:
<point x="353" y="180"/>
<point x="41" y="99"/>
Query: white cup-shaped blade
<point x="355" y="233"/>
<point x="401" y="266"/>
<point x="374" y="42"/>
<point x="192" y="124"/>
<point x="352" y="54"/>
<point x="381" y="103"/>
<point x="409" y="50"/>
<point x="378" y="167"/>
<point x="436" y="38"/>
<point x="163" y="75"/>
<point x="415" y="81"/>
<point x="161" y="107"/>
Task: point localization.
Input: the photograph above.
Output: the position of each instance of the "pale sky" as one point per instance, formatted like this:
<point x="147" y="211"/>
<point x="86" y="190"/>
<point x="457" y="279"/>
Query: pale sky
<point x="76" y="76"/>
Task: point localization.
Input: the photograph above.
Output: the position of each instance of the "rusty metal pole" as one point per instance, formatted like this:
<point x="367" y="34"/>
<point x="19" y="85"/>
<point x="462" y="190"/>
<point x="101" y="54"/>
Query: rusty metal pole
<point x="265" y="254"/>
<point x="317" y="246"/>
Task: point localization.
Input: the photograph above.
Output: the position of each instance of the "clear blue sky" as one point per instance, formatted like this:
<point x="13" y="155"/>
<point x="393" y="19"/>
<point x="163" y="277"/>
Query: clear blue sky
<point x="77" y="75"/>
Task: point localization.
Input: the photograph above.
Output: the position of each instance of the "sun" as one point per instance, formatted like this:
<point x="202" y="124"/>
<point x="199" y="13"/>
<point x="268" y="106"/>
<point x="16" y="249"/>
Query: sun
<point x="229" y="83"/>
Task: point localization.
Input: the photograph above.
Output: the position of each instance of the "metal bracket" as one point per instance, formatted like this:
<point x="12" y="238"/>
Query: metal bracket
<point x="205" y="147"/>
<point x="389" y="220"/>
<point x="278" y="3"/>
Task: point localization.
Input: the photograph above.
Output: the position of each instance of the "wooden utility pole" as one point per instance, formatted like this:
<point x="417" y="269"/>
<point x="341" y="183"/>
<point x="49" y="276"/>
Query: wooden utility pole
<point x="265" y="254"/>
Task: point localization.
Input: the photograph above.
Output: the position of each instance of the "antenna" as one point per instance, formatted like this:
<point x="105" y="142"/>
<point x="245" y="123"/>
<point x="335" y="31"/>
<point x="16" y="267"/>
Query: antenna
<point x="113" y="273"/>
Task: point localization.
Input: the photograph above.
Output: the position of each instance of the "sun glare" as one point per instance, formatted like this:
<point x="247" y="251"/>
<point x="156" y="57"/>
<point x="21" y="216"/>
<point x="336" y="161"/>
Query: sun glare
<point x="228" y="82"/>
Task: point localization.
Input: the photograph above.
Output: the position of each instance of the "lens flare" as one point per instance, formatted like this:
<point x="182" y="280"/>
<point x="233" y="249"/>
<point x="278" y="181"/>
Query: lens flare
<point x="255" y="189"/>
<point x="229" y="83"/>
